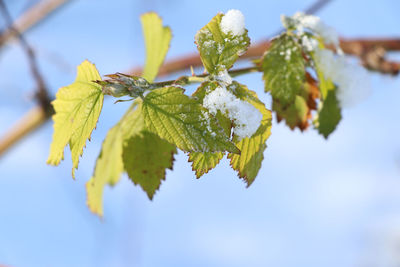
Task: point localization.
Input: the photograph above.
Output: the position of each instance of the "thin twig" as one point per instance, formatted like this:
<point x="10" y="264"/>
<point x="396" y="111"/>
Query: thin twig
<point x="31" y="18"/>
<point x="356" y="47"/>
<point x="41" y="93"/>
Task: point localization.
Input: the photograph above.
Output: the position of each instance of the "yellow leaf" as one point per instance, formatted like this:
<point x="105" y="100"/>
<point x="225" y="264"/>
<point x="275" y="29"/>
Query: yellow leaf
<point x="157" y="39"/>
<point x="248" y="163"/>
<point x="77" y="108"/>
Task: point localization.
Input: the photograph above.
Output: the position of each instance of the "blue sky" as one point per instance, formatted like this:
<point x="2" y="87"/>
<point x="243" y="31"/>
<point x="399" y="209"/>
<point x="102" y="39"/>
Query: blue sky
<point x="314" y="202"/>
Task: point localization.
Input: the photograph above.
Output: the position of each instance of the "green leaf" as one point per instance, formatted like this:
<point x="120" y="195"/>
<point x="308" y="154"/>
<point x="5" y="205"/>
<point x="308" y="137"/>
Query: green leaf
<point x="295" y="115"/>
<point x="108" y="170"/>
<point x="284" y="69"/>
<point x="157" y="40"/>
<point x="146" y="156"/>
<point x="298" y="114"/>
<point x="329" y="115"/>
<point x="218" y="51"/>
<point x="248" y="163"/>
<point x="200" y="93"/>
<point x="202" y="162"/>
<point x="117" y="147"/>
<point x="183" y="121"/>
<point x="77" y="109"/>
<point x="128" y="146"/>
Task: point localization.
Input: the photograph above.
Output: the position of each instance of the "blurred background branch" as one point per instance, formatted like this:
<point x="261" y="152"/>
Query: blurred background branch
<point x="356" y="47"/>
<point x="38" y="115"/>
<point x="32" y="17"/>
<point x="42" y="95"/>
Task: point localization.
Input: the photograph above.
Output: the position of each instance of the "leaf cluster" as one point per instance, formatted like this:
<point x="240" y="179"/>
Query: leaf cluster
<point x="163" y="119"/>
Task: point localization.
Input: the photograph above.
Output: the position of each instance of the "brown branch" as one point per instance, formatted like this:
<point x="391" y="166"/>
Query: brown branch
<point x="349" y="46"/>
<point x="31" y="18"/>
<point x="357" y="46"/>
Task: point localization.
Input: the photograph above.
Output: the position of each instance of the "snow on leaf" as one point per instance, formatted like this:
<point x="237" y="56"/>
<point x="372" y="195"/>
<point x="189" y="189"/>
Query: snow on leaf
<point x="157" y="40"/>
<point x="244" y="116"/>
<point x="284" y="69"/>
<point x="182" y="121"/>
<point x="77" y="108"/>
<point x="352" y="80"/>
<point x="202" y="162"/>
<point x="248" y="163"/>
<point x="221" y="42"/>
<point x="233" y="22"/>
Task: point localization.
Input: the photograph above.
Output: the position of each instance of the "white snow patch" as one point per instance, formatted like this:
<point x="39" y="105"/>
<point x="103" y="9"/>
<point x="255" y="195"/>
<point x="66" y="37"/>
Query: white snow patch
<point x="352" y="80"/>
<point x="233" y="22"/>
<point x="309" y="44"/>
<point x="246" y="117"/>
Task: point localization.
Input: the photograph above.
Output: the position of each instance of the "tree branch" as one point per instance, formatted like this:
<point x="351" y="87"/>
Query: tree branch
<point x="349" y="46"/>
<point x="358" y="47"/>
<point x="355" y="47"/>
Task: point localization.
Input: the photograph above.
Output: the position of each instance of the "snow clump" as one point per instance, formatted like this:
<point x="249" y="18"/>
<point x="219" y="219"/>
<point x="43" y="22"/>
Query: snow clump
<point x="352" y="80"/>
<point x="233" y="22"/>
